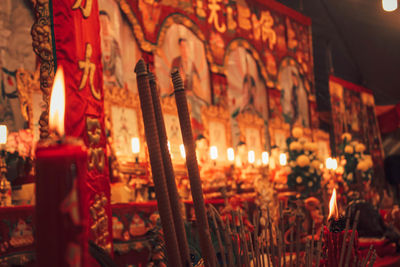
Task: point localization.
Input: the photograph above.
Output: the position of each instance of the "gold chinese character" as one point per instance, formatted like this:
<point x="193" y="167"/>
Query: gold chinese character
<point x="244" y="16"/>
<point x="213" y="18"/>
<point x="96" y="158"/>
<point x="89" y="69"/>
<point x="263" y="28"/>
<point x="230" y="20"/>
<point x="86" y="10"/>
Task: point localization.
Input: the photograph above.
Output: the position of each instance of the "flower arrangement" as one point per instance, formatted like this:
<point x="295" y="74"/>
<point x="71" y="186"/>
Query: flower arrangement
<point x="304" y="165"/>
<point x="19" y="153"/>
<point x="354" y="160"/>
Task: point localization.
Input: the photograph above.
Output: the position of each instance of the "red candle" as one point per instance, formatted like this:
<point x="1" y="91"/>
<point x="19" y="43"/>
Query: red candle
<point x="338" y="238"/>
<point x="61" y="239"/>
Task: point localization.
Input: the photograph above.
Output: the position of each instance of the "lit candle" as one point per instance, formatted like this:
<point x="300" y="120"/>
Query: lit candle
<point x="389" y="5"/>
<point x="57" y="104"/>
<point x="328" y="163"/>
<point x="251" y="156"/>
<point x="3" y="134"/>
<point x="59" y="200"/>
<point x="214" y="152"/>
<point x="283" y="159"/>
<point x="265" y="158"/>
<point x="231" y="154"/>
<point x="182" y="149"/>
<point x="135" y="145"/>
<point x="334" y="164"/>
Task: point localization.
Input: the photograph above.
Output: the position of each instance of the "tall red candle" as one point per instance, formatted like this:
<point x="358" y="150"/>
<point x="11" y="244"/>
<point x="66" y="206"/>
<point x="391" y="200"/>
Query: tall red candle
<point x="61" y="238"/>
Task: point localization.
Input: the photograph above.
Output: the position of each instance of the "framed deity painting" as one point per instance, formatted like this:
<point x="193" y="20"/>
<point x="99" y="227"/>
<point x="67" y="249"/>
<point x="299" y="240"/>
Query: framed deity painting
<point x="16" y="54"/>
<point x="120" y="51"/>
<point x="173" y="128"/>
<point x="180" y="49"/>
<point x="252" y="132"/>
<point x="294" y="94"/>
<point x="246" y="87"/>
<point x="217" y="130"/>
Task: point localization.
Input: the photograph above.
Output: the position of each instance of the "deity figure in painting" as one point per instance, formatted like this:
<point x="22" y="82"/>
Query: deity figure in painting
<point x="16" y="20"/>
<point x="294" y="97"/>
<point x="111" y="52"/>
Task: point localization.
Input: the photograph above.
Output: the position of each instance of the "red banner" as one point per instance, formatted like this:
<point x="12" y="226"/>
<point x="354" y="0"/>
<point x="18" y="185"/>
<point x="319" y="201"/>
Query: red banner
<point x="77" y="47"/>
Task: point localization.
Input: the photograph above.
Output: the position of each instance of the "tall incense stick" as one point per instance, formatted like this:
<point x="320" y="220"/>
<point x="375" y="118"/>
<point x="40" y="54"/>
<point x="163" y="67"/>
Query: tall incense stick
<point x="157" y="167"/>
<point x="169" y="174"/>
<point x="354" y="229"/>
<point x="193" y="171"/>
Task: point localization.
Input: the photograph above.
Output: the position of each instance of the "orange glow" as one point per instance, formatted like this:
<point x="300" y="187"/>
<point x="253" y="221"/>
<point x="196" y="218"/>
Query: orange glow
<point x="333" y="209"/>
<point x="57" y="103"/>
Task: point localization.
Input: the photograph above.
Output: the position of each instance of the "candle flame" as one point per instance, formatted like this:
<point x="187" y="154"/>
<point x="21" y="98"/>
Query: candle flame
<point x="183" y="151"/>
<point x="333" y="209"/>
<point x="251" y="156"/>
<point x="265" y="157"/>
<point x="283" y="159"/>
<point x="3" y="134"/>
<point x="214" y="152"/>
<point x="231" y="154"/>
<point x="135" y="145"/>
<point x="57" y="103"/>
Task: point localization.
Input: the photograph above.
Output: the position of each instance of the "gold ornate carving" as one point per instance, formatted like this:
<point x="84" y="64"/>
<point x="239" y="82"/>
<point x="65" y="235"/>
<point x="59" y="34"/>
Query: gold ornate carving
<point x="137" y="29"/>
<point x="247" y="120"/>
<point x="42" y="45"/>
<point x="27" y="83"/>
<point x="99" y="226"/>
<point x="253" y="52"/>
<point x="216" y="114"/>
<point x="96" y="157"/>
<point x="279" y="131"/>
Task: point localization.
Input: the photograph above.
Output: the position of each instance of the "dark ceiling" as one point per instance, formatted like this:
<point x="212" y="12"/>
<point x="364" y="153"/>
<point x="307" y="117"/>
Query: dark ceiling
<point x="365" y="44"/>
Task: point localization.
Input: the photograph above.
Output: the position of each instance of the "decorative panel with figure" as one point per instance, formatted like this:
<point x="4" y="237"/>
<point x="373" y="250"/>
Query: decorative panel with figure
<point x="181" y="49"/>
<point x="16" y="20"/>
<point x="246" y="87"/>
<point x="294" y="93"/>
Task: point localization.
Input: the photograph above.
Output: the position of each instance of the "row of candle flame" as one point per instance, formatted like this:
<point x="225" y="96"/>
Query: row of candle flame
<point x="56" y="124"/>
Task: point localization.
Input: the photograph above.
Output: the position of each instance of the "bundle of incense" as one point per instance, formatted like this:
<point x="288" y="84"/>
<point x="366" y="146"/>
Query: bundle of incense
<point x="207" y="249"/>
<point x="350" y="247"/>
<point x="157" y="165"/>
<point x="221" y="247"/>
<point x="169" y="174"/>
<point x="319" y="248"/>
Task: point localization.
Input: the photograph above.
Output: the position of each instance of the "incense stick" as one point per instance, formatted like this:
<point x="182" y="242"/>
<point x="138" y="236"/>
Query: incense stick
<point x="278" y="243"/>
<point x="169" y="174"/>
<point x="282" y="234"/>
<point x="312" y="243"/>
<point x="156" y="162"/>
<point x="373" y="257"/>
<point x="271" y="239"/>
<point x="256" y="222"/>
<point x="228" y="238"/>
<point x="244" y="239"/>
<point x="221" y="247"/>
<point x="365" y="260"/>
<point x="319" y="248"/>
<point x="297" y="240"/>
<point x="193" y="170"/>
<point x="352" y="238"/>
<point x="266" y="244"/>
<point x="291" y="247"/>
<point x="344" y="243"/>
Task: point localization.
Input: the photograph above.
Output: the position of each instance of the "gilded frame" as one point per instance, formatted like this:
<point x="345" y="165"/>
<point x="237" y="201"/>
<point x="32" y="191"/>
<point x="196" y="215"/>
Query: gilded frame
<point x="216" y="114"/>
<point x="247" y="120"/>
<point x="124" y="98"/>
<point x="168" y="106"/>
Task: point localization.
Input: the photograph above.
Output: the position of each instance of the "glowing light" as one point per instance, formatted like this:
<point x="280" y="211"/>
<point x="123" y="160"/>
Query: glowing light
<point x="57" y="103"/>
<point x="231" y="154"/>
<point x="389" y="5"/>
<point x="135" y="145"/>
<point x="331" y="164"/>
<point x="282" y="159"/>
<point x="213" y="152"/>
<point x="169" y="147"/>
<point x="3" y="134"/>
<point x="333" y="209"/>
<point x="251" y="156"/>
<point x="182" y="149"/>
<point x="265" y="158"/>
